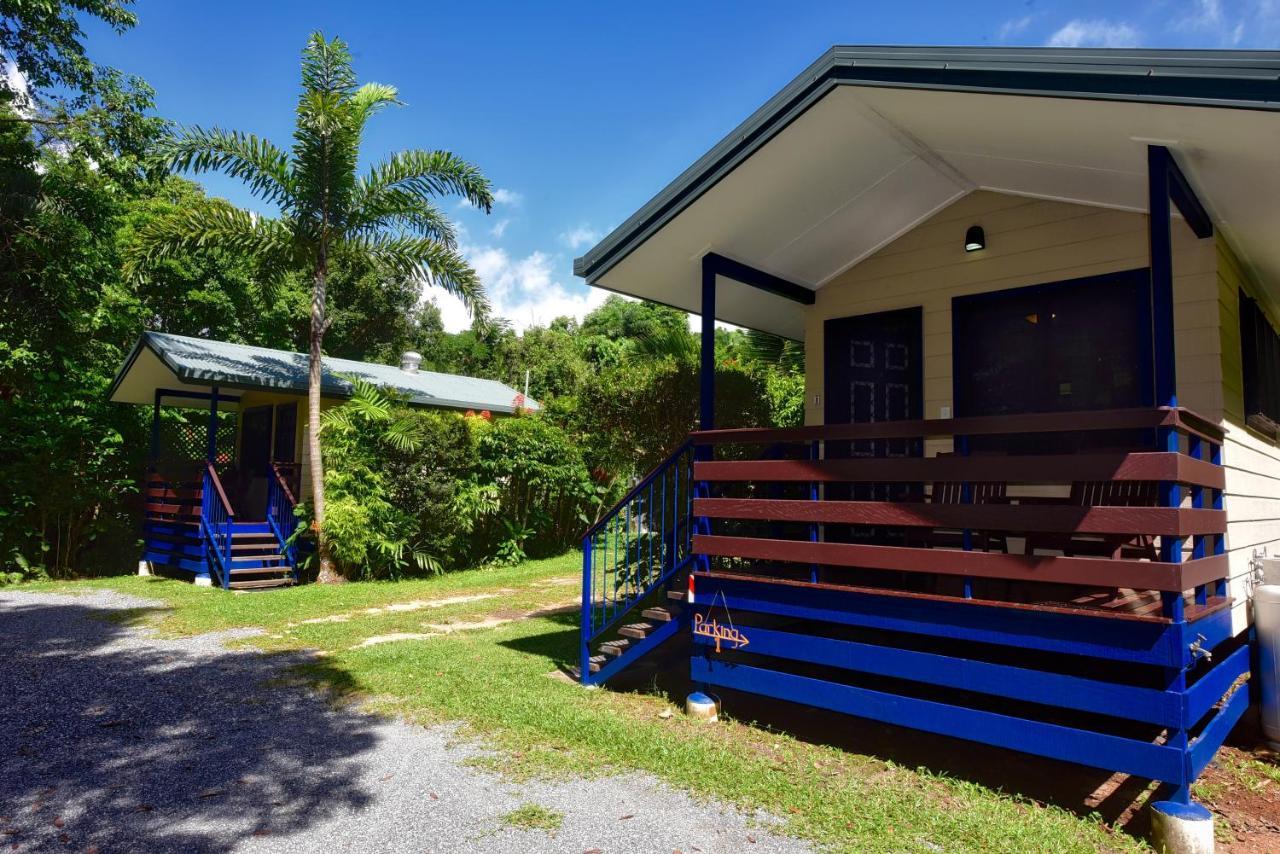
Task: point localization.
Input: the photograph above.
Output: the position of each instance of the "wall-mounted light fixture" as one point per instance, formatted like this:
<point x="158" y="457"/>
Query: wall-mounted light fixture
<point x="974" y="239"/>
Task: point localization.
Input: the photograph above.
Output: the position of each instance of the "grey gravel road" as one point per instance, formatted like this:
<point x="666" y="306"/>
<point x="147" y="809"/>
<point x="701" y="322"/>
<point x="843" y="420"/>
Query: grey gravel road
<point x="112" y="740"/>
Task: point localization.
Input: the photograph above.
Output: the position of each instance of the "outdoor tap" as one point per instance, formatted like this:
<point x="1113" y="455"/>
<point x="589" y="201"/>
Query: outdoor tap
<point x="1198" y="651"/>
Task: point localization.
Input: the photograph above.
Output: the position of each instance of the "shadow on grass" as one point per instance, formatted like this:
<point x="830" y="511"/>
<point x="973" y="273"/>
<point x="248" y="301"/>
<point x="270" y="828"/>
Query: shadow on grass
<point x="109" y="742"/>
<point x="1117" y="799"/>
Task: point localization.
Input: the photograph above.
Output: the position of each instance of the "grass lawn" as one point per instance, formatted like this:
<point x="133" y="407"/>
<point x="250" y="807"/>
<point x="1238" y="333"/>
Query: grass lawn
<point x="478" y="647"/>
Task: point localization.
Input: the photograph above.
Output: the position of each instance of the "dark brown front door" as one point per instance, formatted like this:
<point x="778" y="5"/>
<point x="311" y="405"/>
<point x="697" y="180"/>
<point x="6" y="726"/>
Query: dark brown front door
<point x="873" y="372"/>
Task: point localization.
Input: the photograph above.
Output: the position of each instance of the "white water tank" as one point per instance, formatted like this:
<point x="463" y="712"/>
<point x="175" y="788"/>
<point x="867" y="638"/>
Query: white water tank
<point x="1266" y="623"/>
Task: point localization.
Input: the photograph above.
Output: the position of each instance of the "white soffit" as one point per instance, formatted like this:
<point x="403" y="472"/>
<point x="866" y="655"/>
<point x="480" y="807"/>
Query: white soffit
<point x="147" y="373"/>
<point x="864" y="165"/>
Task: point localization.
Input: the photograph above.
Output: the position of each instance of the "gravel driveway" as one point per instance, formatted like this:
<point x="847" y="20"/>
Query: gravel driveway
<point x="112" y="740"/>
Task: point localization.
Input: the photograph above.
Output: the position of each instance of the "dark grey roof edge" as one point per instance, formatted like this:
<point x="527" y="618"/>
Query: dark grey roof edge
<point x="1234" y="79"/>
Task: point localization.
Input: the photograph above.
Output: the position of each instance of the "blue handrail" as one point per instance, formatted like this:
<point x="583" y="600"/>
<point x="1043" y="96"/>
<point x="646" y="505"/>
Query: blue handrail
<point x="637" y="546"/>
<point x="216" y="522"/>
<point x="280" y="516"/>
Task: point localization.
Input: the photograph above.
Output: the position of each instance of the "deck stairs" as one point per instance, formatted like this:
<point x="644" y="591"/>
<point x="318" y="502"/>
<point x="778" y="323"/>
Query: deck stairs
<point x="191" y="526"/>
<point x="636" y="560"/>
<point x="257" y="560"/>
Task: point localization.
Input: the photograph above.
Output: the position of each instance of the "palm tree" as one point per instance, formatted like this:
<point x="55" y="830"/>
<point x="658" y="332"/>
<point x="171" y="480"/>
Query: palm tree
<point x="328" y="216"/>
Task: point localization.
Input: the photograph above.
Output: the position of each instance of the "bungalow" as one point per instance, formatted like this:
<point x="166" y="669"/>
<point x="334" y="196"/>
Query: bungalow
<point x="220" y="491"/>
<point x="1039" y="292"/>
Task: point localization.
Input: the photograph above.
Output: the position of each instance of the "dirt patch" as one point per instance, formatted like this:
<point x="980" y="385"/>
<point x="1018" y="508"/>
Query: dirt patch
<point x="500" y="618"/>
<point x="1241" y="787"/>
<point x="401" y="607"/>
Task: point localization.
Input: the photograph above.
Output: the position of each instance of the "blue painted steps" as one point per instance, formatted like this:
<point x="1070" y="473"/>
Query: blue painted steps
<point x="257" y="560"/>
<point x="636" y="639"/>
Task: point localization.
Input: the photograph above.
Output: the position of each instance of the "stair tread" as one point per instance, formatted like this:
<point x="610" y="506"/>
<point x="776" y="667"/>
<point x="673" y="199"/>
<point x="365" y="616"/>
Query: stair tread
<point x="248" y="558"/>
<point x="261" y="583"/>
<point x="595" y="662"/>
<point x="659" y="613"/>
<point x="677" y="595"/>
<point x="615" y="647"/>
<point x="636" y="630"/>
<point x="244" y="547"/>
<point x="258" y="570"/>
<point x="256" y="535"/>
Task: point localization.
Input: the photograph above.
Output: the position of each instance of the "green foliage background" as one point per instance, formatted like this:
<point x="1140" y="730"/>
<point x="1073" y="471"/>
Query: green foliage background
<point x="79" y="183"/>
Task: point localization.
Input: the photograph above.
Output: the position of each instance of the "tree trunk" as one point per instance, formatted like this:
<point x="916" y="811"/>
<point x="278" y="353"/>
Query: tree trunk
<point x="328" y="574"/>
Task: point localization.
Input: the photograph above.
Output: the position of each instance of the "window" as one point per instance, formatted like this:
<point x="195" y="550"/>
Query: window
<point x="1260" y="360"/>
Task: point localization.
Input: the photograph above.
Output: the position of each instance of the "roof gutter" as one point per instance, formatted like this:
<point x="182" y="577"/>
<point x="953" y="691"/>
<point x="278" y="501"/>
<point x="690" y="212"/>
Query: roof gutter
<point x="1220" y="79"/>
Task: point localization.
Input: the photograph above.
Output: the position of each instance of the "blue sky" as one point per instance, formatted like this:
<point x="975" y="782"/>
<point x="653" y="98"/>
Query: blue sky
<point x="580" y="112"/>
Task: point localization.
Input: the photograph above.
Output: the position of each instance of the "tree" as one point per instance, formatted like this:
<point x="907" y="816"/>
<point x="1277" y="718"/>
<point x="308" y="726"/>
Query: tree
<point x="386" y="220"/>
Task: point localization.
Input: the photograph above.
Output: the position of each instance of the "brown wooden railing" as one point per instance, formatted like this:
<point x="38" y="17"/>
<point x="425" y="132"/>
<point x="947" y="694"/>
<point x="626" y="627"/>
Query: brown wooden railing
<point x="1120" y="515"/>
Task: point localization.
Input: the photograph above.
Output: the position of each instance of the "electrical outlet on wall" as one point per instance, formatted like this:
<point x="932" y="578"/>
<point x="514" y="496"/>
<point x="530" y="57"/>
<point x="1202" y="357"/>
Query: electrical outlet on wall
<point x="944" y="411"/>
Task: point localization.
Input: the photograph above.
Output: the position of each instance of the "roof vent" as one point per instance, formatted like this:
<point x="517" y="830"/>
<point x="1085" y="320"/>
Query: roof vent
<point x="409" y="361"/>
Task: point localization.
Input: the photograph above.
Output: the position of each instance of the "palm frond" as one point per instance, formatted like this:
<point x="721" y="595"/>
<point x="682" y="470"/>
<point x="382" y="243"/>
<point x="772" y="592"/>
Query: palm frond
<point x="673" y="343"/>
<point x="326" y="65"/>
<point x="774" y="350"/>
<point x="432" y="173"/>
<point x="371" y="98"/>
<point x="270" y="242"/>
<point x="424" y="258"/>
<point x="396" y="209"/>
<point x="256" y="161"/>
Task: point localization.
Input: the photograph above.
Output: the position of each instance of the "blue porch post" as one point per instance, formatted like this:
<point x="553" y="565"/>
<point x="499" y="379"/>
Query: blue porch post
<point x="211" y="452"/>
<point x="1159" y="225"/>
<point x="706" y="421"/>
<point x="155" y="432"/>
<point x="213" y="425"/>
<point x="707" y="386"/>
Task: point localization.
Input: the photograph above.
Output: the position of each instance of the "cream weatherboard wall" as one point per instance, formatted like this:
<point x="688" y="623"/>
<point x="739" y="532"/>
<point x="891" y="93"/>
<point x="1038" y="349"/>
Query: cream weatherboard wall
<point x="1252" y="460"/>
<point x="1031" y="241"/>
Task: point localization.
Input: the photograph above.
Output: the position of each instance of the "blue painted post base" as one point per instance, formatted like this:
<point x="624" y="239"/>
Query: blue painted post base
<point x="1178" y="828"/>
<point x="701" y="707"/>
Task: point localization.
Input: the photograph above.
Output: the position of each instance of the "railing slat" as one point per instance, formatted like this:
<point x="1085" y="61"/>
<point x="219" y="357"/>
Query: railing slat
<point x="1039" y="468"/>
<point x="987" y="425"/>
<point x="1171" y="521"/>
<point x="1103" y="572"/>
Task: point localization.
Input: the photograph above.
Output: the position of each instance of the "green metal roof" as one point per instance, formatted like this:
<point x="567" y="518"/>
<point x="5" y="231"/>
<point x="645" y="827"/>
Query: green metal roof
<point x="203" y="362"/>
<point x="1231" y="79"/>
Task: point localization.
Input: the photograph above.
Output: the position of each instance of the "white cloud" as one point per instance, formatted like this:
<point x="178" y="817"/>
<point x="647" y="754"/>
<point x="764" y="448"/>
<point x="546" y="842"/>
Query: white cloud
<point x="503" y="196"/>
<point x="576" y="238"/>
<point x="1014" y="27"/>
<point x="1208" y="19"/>
<point x="1205" y="15"/>
<point x="526" y="291"/>
<point x="1095" y="33"/>
<point x="500" y="228"/>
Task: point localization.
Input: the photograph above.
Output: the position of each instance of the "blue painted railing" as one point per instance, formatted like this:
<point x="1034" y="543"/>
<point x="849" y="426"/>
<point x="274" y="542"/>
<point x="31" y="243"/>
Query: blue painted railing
<point x="636" y="547"/>
<point x="280" y="516"/>
<point x="216" y="523"/>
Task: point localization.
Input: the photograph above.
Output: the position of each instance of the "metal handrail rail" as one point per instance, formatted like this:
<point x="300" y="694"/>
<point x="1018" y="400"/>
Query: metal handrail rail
<point x="647" y="539"/>
<point x="642" y="484"/>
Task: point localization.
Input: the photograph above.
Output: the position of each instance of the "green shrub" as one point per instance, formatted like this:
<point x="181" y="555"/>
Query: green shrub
<point x="531" y="490"/>
<point x="411" y="490"/>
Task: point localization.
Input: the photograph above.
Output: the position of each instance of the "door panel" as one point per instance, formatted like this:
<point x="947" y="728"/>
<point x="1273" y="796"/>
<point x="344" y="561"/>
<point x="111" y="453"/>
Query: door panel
<point x="1080" y="344"/>
<point x="873" y="372"/>
<point x="286" y="437"/>
<point x="255" y="458"/>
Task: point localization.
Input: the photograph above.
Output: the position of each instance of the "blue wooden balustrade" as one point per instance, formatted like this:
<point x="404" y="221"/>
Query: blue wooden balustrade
<point x="217" y="521"/>
<point x="1086" y="644"/>
<point x="634" y="550"/>
<point x="280" y="515"/>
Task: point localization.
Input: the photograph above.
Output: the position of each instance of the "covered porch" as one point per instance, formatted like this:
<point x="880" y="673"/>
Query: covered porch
<point x="1007" y="519"/>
